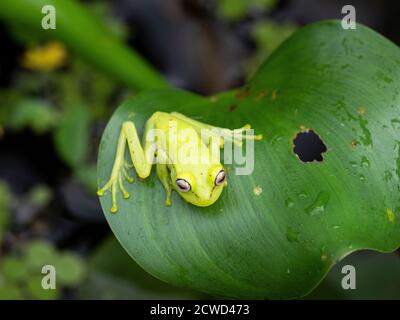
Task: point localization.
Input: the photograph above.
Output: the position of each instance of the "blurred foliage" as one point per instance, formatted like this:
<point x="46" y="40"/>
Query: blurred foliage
<point x="5" y="206"/>
<point x="72" y="135"/>
<point x="114" y="275"/>
<point x="39" y="196"/>
<point x="53" y="93"/>
<point x="238" y="9"/>
<point x="101" y="9"/>
<point x="63" y="96"/>
<point x="21" y="272"/>
<point x="268" y="35"/>
<point x="58" y="94"/>
<point x="71" y="269"/>
<point x="66" y="103"/>
<point x="33" y="113"/>
<point x="71" y="124"/>
<point x="81" y="31"/>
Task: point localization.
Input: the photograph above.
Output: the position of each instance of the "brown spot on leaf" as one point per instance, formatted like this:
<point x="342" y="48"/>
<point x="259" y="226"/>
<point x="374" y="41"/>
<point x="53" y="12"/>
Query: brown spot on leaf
<point x="354" y="143"/>
<point x="361" y="110"/>
<point x="243" y="93"/>
<point x="274" y="94"/>
<point x="232" y="107"/>
<point x="261" y="95"/>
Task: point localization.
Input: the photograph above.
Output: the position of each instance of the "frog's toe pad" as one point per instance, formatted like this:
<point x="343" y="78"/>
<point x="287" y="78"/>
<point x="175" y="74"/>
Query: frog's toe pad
<point x="114" y="209"/>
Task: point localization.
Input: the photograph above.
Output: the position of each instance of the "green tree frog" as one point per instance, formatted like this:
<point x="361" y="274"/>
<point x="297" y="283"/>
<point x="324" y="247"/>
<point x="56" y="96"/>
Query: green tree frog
<point x="186" y="153"/>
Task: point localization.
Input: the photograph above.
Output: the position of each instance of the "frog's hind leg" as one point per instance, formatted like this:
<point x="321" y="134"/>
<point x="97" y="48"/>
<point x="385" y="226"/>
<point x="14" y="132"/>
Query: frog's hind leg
<point x="142" y="160"/>
<point x="232" y="135"/>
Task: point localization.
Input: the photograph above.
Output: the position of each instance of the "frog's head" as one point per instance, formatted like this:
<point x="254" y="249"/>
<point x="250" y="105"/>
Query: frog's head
<point x="200" y="185"/>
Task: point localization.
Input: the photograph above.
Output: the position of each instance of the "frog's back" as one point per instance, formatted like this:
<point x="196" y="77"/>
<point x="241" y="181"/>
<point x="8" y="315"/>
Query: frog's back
<point x="180" y="138"/>
<point x="166" y="121"/>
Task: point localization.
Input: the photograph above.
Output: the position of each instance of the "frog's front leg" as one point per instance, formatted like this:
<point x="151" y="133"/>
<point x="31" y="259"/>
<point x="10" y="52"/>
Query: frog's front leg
<point x="142" y="160"/>
<point x="165" y="178"/>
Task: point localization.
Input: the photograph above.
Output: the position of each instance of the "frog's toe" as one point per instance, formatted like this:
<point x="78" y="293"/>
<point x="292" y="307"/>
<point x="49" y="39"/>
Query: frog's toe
<point x="126" y="195"/>
<point x="127" y="176"/>
<point x="114" y="185"/>
<point x="126" y="165"/>
<point x="104" y="189"/>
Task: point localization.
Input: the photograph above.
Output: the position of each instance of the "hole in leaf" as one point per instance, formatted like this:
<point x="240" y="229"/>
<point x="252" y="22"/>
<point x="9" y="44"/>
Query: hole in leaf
<point x="308" y="146"/>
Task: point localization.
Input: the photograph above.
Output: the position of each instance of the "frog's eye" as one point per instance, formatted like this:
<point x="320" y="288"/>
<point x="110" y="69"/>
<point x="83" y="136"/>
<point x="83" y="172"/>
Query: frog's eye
<point x="183" y="185"/>
<point x="220" y="178"/>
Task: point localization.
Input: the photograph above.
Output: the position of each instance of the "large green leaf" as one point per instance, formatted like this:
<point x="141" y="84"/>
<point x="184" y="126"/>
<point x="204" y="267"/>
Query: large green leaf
<point x="281" y="242"/>
<point x="114" y="275"/>
<point x="72" y="135"/>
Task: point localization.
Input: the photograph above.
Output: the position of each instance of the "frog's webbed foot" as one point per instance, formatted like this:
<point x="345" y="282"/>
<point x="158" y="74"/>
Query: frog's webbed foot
<point x="237" y="136"/>
<point x="116" y="183"/>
